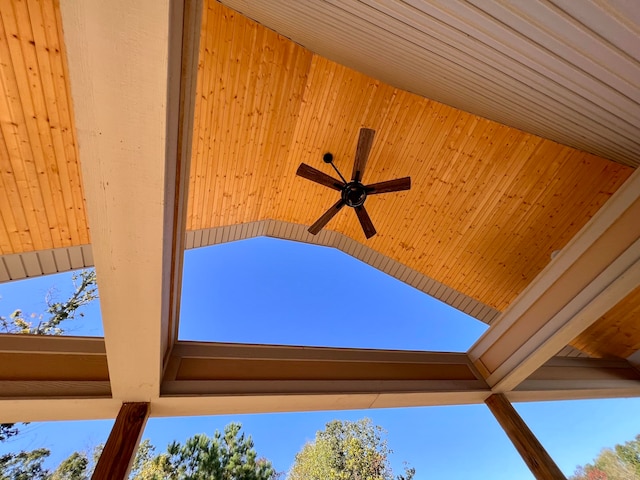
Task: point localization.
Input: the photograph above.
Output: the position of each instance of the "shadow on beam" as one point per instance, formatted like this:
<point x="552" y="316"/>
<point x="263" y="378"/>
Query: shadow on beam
<point x="565" y="378"/>
<point x="316" y="378"/>
<point x="38" y="366"/>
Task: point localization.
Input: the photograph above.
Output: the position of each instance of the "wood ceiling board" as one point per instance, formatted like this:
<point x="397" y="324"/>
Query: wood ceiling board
<point x="280" y="75"/>
<point x="570" y="351"/>
<point x="42" y="195"/>
<point x="616" y="334"/>
<point x="596" y="271"/>
<point x="488" y="205"/>
<point x="562" y="72"/>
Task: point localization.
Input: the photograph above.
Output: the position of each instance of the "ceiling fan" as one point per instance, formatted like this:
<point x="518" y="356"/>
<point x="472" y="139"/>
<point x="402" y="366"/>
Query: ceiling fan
<point x="353" y="193"/>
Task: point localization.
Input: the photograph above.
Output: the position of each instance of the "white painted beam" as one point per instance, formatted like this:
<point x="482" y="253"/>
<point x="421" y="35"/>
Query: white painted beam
<point x="567" y="378"/>
<point x="125" y="88"/>
<point x="53" y="409"/>
<point x="597" y="269"/>
<point x="238" y="351"/>
<point x="243" y="404"/>
<point x="38" y="389"/>
<point x="561" y="378"/>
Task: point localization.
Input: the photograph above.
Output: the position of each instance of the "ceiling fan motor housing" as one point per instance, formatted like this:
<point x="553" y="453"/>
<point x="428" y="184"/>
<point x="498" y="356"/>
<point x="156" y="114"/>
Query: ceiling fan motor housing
<point x="354" y="194"/>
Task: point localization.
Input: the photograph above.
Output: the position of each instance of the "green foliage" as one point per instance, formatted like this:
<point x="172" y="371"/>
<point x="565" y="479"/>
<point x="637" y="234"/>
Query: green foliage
<point x="147" y="465"/>
<point x="629" y="454"/>
<point x="313" y="462"/>
<point x="620" y="463"/>
<point x="73" y="467"/>
<point x="85" y="291"/>
<point x="29" y="465"/>
<point x="346" y="451"/>
<point x="225" y="456"/>
<point x="7" y="430"/>
<point x="24" y="465"/>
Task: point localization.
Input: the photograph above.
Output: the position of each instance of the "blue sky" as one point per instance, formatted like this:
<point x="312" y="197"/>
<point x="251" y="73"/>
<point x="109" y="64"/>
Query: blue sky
<point x="272" y="291"/>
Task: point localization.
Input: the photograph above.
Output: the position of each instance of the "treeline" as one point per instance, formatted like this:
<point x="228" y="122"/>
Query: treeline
<point x="621" y="462"/>
<point x="342" y="451"/>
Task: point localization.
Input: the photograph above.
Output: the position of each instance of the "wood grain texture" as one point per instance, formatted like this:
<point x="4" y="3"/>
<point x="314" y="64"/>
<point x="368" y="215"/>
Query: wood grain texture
<point x="488" y="203"/>
<point x="117" y="456"/>
<point x="532" y="452"/>
<point x="41" y="195"/>
<point x="595" y="272"/>
<point x="616" y="334"/>
<point x="566" y="72"/>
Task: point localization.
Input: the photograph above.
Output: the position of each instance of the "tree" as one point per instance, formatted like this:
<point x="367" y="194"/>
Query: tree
<point x="29" y="464"/>
<point x="7" y="430"/>
<point x="73" y="467"/>
<point x="24" y="465"/>
<point x="228" y="456"/>
<point x="620" y="463"/>
<point x="629" y="454"/>
<point x="346" y="451"/>
<point x="85" y="291"/>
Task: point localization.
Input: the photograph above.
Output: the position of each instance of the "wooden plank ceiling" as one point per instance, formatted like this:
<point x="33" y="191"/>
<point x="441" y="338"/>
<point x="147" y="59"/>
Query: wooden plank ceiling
<point x="564" y="70"/>
<point x="488" y="206"/>
<point x="616" y="334"/>
<point x="41" y="199"/>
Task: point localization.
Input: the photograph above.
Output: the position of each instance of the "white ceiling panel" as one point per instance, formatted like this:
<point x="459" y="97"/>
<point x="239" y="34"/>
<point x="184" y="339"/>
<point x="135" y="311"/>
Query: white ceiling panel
<point x="564" y="70"/>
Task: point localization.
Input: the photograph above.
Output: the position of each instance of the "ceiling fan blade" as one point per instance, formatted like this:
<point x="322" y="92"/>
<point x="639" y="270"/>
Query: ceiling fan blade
<point x="317" y="176"/>
<point x="389" y="186"/>
<point x="324" y="219"/>
<point x="362" y="153"/>
<point x="365" y="222"/>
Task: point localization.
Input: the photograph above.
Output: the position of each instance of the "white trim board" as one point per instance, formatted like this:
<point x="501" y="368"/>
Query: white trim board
<point x="44" y="262"/>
